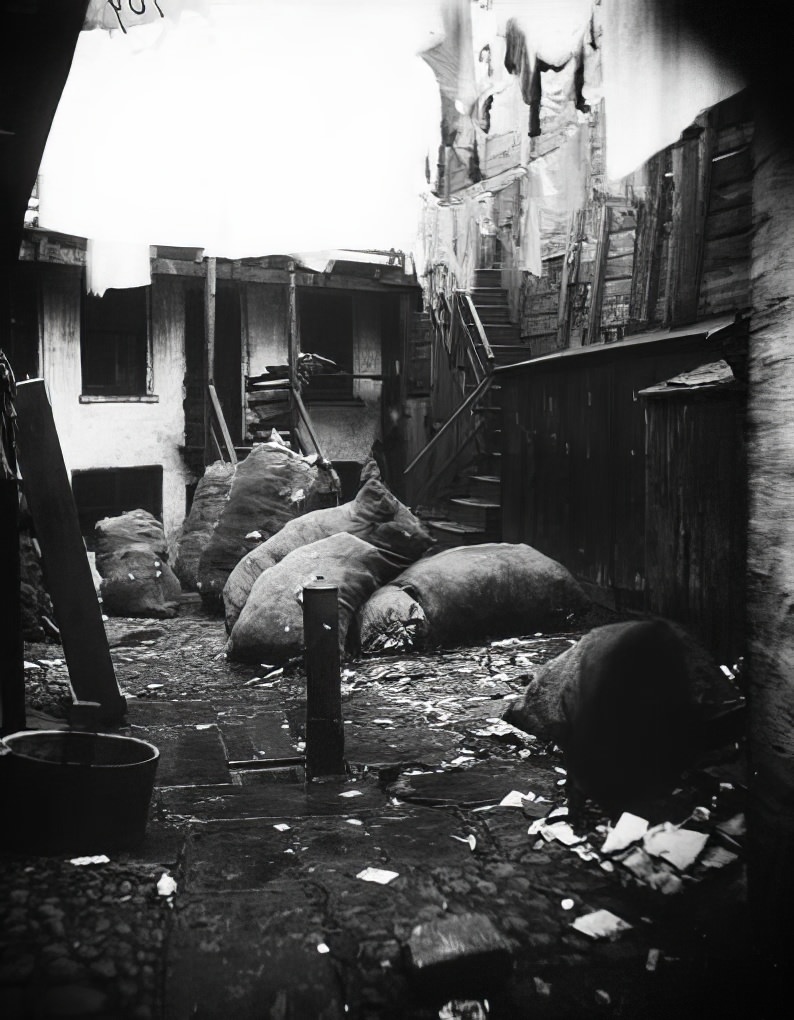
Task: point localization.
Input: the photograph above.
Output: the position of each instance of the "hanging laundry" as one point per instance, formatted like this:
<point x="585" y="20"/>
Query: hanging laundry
<point x="116" y="264"/>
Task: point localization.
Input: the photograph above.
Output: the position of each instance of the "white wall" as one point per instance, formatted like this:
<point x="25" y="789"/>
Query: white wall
<point x="118" y="433"/>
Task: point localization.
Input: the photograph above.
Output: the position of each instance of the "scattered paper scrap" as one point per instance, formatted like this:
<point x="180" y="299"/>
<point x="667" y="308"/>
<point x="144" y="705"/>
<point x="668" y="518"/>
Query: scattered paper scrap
<point x="93" y="859"/>
<point x="680" y="847"/>
<point x="166" y="886"/>
<point x="352" y="793"/>
<point x="567" y="904"/>
<point x="322" y="948"/>
<point x="656" y="876"/>
<point x="628" y="829"/>
<point x="470" y="839"/>
<point x="354" y="821"/>
<point x="515" y="799"/>
<point x="255" y="534"/>
<point x="653" y="959"/>
<point x="379" y="875"/>
<point x="281" y="826"/>
<point x="718" y="857"/>
<point x="561" y="831"/>
<point x="600" y="924"/>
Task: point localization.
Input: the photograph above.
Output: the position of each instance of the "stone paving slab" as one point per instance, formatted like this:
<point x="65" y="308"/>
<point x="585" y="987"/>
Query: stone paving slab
<point x="271" y="800"/>
<point x="479" y="784"/>
<point x="398" y="745"/>
<point x="189" y="755"/>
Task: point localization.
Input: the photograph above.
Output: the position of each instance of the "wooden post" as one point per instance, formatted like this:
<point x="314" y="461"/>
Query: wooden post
<point x="325" y="735"/>
<point x="293" y="349"/>
<point x="12" y="647"/>
<point x="66" y="569"/>
<point x="209" y="355"/>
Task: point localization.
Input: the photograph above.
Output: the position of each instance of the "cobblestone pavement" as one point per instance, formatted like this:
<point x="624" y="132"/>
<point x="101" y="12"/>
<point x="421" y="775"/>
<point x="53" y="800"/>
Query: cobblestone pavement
<point x="270" y="917"/>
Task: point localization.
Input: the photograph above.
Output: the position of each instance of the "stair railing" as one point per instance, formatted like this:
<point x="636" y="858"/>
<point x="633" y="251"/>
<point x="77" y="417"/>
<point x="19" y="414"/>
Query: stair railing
<point x="471" y="354"/>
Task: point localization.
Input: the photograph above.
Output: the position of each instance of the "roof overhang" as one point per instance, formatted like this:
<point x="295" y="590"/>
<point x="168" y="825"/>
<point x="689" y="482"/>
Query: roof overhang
<point x="704" y="330"/>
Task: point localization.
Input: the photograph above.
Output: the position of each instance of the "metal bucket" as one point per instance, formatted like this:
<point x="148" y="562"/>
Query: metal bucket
<point x="69" y="792"/>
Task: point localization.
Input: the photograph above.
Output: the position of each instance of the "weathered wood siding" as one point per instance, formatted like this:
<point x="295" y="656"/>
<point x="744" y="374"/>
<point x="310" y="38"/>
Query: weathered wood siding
<point x="696" y="513"/>
<point x="574" y="475"/>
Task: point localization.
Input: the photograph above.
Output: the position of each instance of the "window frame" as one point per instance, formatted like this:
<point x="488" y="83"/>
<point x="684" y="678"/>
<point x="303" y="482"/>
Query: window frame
<point x="116" y="390"/>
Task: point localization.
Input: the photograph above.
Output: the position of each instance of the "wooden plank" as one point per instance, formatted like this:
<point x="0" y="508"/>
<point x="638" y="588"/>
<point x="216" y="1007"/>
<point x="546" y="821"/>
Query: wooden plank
<point x="227" y="439"/>
<point x="692" y="168"/>
<point x="66" y="569"/>
<point x="599" y="264"/>
<point x="728" y="222"/>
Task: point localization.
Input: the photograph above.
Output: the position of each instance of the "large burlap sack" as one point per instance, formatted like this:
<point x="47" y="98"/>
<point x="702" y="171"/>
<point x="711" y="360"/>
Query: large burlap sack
<point x="626" y="704"/>
<point x="209" y="500"/>
<point x="131" y="559"/>
<point x="270" y="627"/>
<point x="375" y="515"/>
<point x="468" y="593"/>
<point x="270" y="487"/>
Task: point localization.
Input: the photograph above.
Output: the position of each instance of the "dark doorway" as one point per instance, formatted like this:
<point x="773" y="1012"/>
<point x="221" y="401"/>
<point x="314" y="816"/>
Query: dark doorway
<point x="108" y="492"/>
<point x="326" y="328"/>
<point x="194" y="374"/>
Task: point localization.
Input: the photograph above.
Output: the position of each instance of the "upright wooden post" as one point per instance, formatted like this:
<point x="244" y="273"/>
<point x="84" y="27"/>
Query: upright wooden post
<point x="66" y="569"/>
<point x="325" y="735"/>
<point x="12" y="648"/>
<point x="209" y="355"/>
<point x="293" y="349"/>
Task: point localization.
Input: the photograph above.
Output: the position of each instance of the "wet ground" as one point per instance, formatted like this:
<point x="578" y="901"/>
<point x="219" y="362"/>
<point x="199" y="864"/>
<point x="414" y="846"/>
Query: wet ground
<point x="272" y="917"/>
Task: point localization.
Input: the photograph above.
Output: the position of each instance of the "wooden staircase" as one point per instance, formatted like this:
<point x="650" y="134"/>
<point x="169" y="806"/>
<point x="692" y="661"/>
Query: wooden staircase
<point x="471" y="513"/>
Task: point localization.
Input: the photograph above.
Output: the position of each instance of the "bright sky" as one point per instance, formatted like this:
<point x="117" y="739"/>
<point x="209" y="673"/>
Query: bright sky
<point x="265" y="127"/>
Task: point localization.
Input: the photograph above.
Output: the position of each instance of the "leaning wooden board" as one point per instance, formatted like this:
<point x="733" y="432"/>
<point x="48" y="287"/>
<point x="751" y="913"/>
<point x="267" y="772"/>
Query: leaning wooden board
<point x="66" y="569"/>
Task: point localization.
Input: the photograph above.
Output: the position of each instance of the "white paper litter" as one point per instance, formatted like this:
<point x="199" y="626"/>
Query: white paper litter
<point x="379" y="875"/>
<point x="515" y="799"/>
<point x="204" y="726"/>
<point x="629" y="829"/>
<point x="322" y="948"/>
<point x="561" y="831"/>
<point x="567" y="904"/>
<point x="600" y="924"/>
<point x="31" y="665"/>
<point x="93" y="859"/>
<point x="680" y="847"/>
<point x="352" y="793"/>
<point x="653" y="959"/>
<point x="471" y="840"/>
<point x="166" y="886"/>
<point x="354" y="821"/>
<point x="281" y="826"/>
<point x="255" y="534"/>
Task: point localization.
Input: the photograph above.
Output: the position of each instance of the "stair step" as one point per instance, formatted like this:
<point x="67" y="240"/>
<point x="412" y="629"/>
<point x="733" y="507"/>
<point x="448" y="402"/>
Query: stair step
<point x="492" y="313"/>
<point x="487" y="275"/>
<point x="488" y="296"/>
<point x="449" y="534"/>
<point x="476" y="503"/>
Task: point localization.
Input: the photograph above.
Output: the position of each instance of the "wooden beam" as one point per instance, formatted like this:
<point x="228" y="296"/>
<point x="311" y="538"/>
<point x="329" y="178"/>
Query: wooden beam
<point x="599" y="271"/>
<point x="644" y="287"/>
<point x="209" y="352"/>
<point x="227" y="439"/>
<point x="66" y="570"/>
<point x="691" y="178"/>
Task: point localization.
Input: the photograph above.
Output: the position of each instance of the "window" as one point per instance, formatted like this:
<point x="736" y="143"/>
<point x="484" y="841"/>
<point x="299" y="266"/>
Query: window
<point x="115" y="343"/>
<point x="108" y="492"/>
